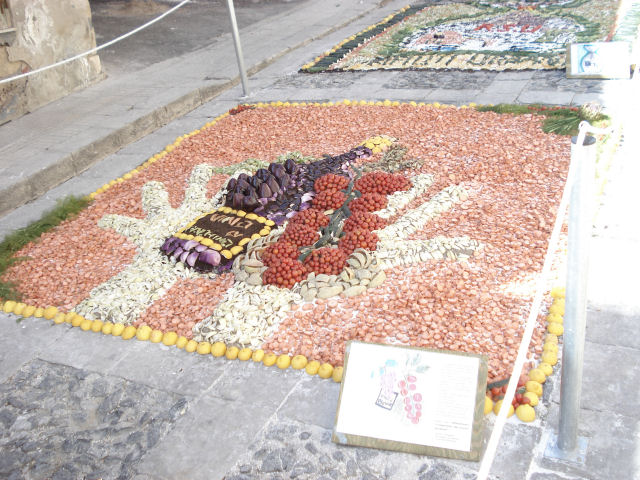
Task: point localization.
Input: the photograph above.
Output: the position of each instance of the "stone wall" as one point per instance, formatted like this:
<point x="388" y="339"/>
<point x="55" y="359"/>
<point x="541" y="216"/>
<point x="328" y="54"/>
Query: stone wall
<point x="46" y="32"/>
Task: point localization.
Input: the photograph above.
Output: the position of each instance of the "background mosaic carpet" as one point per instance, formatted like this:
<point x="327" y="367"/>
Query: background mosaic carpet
<point x="482" y="35"/>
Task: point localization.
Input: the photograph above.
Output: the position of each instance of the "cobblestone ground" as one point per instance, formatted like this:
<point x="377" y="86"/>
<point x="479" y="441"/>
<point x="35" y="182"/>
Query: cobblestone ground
<point x="554" y="80"/>
<point x="63" y="423"/>
<point x="292" y="450"/>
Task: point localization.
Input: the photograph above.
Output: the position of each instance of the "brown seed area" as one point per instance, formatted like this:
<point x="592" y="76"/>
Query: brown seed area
<point x="186" y="303"/>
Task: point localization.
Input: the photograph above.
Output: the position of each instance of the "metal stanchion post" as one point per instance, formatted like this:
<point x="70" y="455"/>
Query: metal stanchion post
<point x="575" y="315"/>
<point x="236" y="41"/>
<point x="568" y="446"/>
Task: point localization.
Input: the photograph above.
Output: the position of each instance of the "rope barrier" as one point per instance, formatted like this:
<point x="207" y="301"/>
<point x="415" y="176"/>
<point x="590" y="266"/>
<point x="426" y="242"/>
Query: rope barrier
<point x="492" y="445"/>
<point x="95" y="49"/>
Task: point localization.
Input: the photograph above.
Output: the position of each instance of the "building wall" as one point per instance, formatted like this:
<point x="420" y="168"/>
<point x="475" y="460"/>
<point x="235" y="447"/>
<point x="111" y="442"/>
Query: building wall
<point x="46" y="31"/>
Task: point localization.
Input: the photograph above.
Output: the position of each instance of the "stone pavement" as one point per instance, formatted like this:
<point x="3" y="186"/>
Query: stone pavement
<point x="76" y="404"/>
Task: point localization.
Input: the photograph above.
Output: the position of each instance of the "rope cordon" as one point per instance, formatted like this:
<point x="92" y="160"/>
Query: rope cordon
<point x="95" y="49"/>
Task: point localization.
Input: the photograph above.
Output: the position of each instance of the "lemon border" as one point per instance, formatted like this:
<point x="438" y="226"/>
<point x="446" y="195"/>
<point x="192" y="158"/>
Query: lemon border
<point x="170" y="338"/>
<point x="558" y="295"/>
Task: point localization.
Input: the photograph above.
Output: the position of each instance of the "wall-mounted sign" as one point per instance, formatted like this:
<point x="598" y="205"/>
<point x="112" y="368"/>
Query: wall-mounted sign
<point x="598" y="60"/>
<point x="413" y="400"/>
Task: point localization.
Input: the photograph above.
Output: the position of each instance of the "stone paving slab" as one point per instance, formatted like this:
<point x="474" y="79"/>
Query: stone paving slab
<point x="612" y="446"/>
<point x="168" y="368"/>
<point x="288" y="449"/>
<point x="205" y="444"/>
<point x="60" y="422"/>
<point x="20" y="342"/>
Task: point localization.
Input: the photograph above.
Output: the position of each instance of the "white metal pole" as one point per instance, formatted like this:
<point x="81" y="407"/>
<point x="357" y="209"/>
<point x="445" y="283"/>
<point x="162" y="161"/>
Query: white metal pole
<point x="236" y="41"/>
<point x="583" y="153"/>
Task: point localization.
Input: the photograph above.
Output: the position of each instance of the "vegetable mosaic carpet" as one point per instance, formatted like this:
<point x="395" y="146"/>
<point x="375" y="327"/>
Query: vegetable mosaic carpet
<point x="409" y="224"/>
<point x="489" y="35"/>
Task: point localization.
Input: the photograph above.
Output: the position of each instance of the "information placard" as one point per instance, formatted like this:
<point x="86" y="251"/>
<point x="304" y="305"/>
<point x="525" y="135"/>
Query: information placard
<point x="413" y="400"/>
<point x="598" y="60"/>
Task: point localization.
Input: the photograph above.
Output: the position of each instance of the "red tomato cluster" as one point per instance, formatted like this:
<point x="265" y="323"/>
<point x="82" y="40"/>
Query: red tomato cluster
<point x="368" y="202"/>
<point x="381" y="182"/>
<point x="311" y="217"/>
<point x="497" y="393"/>
<point x="329" y="200"/>
<point x="358" y="239"/>
<point x="361" y="220"/>
<point x="327" y="260"/>
<point x="330" y="182"/>
<point x="299" y="235"/>
<point x="285" y="273"/>
<point x="273" y="253"/>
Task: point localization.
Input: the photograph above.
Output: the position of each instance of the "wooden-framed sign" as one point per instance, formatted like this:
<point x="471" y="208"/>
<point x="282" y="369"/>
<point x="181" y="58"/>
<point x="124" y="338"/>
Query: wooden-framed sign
<point x="414" y="400"/>
<point x="598" y="60"/>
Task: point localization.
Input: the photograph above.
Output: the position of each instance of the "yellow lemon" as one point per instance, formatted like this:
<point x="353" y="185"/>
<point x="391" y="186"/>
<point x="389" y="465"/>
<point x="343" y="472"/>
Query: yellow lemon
<point x="156" y="336"/>
<point x="269" y="359"/>
<point x="8" y="306"/>
<point x="533" y="398"/>
<point x="537" y="375"/>
<point x="325" y="370"/>
<point x="232" y="353"/>
<point x="191" y="346"/>
<point x="258" y="355"/>
<point x="488" y="405"/>
<point x="559" y="302"/>
<point x="283" y="361"/>
<point x="50" y="312"/>
<point x="169" y="338"/>
<point x="546" y="368"/>
<point x="128" y="332"/>
<point x="555" y="328"/>
<point x="244" y="354"/>
<point x="557" y="309"/>
<point x="312" y="367"/>
<point x="117" y="329"/>
<point x="28" y="311"/>
<point x="558" y="292"/>
<point x="550" y="347"/>
<point x="86" y="325"/>
<point x="181" y="342"/>
<point x="298" y="362"/>
<point x="204" y="348"/>
<point x="337" y="374"/>
<point x="526" y="413"/>
<point x="97" y="326"/>
<point x="533" y="386"/>
<point x="19" y="308"/>
<point x="59" y="318"/>
<point x="143" y="333"/>
<point x="39" y="312"/>
<point x="554" y="318"/>
<point x="107" y="328"/>
<point x="69" y="317"/>
<point x="550" y="357"/>
<point x="551" y="338"/>
<point x="77" y="321"/>
<point x="218" y="349"/>
<point x="498" y="405"/>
